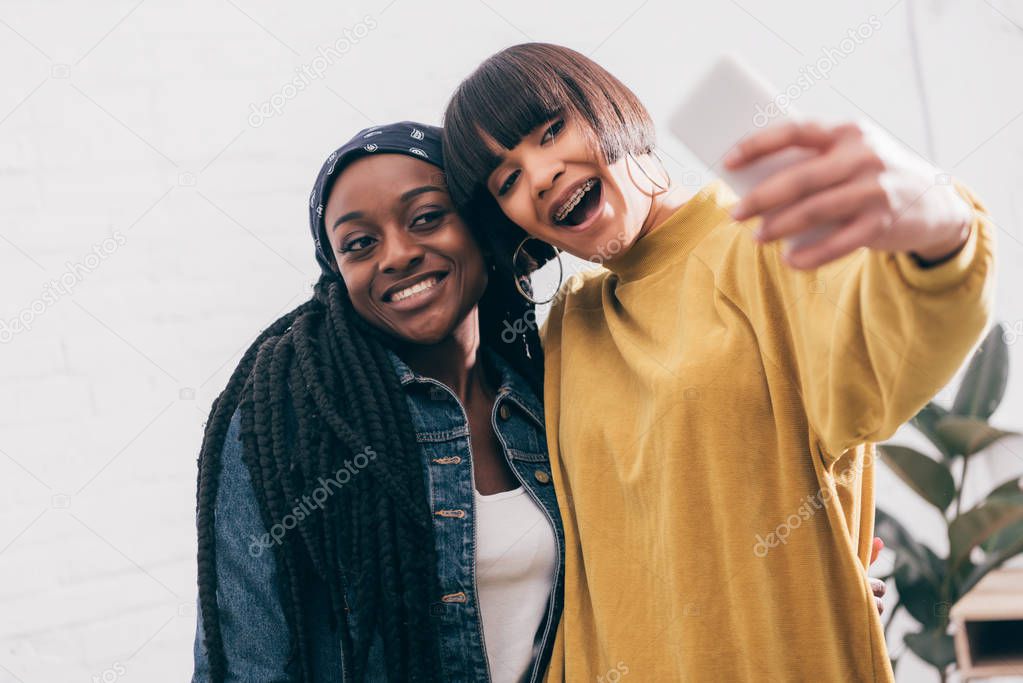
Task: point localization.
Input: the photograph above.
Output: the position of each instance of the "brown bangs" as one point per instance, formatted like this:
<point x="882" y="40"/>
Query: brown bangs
<point x="523" y="86"/>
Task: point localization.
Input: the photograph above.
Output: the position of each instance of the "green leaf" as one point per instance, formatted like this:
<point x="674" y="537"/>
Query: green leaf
<point x="933" y="646"/>
<point x="1003" y="537"/>
<point x="929" y="478"/>
<point x="921" y="596"/>
<point x="984" y="383"/>
<point x="1007" y="488"/>
<point x="975" y="526"/>
<point x="925" y="422"/>
<point x="968" y="435"/>
<point x="1008" y="546"/>
<point x="906" y="547"/>
<point x="999" y="547"/>
<point x="918" y="572"/>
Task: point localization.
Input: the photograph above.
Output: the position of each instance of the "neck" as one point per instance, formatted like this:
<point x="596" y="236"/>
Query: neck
<point x="454" y="361"/>
<point x="663" y="203"/>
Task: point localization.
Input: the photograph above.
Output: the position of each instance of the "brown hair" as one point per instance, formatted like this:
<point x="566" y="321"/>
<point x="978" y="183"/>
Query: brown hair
<point x="521" y="87"/>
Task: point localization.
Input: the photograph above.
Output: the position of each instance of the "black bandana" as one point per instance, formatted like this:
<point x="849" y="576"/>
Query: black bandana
<point x="407" y="137"/>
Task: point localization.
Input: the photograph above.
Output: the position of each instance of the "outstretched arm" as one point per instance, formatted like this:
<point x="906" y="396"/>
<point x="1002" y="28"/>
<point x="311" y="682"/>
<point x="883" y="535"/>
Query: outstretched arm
<point x="877" y="316"/>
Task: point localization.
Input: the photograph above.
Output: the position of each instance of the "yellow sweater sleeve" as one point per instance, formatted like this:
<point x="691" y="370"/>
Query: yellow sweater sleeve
<point x="870" y="338"/>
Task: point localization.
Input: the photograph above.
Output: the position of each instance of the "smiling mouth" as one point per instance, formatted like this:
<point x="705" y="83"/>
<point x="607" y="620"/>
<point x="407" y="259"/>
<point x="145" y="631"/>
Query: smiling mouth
<point x="580" y="206"/>
<point x="416" y="289"/>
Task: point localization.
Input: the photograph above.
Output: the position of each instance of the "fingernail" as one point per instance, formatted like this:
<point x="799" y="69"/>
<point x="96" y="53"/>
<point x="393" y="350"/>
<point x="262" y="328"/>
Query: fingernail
<point x="739" y="211"/>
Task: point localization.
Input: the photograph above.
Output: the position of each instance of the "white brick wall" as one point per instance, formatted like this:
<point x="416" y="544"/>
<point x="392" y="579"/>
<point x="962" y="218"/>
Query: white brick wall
<point x="133" y="118"/>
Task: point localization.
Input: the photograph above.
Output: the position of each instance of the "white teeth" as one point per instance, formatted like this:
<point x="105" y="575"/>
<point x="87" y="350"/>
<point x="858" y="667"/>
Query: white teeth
<point x="414" y="289"/>
<point x="574" y="200"/>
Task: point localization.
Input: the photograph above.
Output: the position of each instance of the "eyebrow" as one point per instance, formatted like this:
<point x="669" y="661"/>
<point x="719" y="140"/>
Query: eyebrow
<point x="490" y="179"/>
<point x="406" y="196"/>
<point x="501" y="156"/>
<point x="416" y="191"/>
<point x="350" y="216"/>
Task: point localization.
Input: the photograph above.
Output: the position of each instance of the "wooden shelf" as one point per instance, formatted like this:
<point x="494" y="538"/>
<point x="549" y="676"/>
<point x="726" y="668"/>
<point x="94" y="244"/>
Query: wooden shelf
<point x="988" y="624"/>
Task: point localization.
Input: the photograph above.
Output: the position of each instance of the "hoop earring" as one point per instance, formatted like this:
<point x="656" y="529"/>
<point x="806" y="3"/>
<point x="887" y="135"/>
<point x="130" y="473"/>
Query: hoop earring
<point x="653" y="182"/>
<point x="522" y="282"/>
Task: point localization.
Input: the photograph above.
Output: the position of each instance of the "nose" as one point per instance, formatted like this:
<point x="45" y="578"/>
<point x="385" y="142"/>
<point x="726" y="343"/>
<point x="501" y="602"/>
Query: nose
<point x="545" y="170"/>
<point x="400" y="252"/>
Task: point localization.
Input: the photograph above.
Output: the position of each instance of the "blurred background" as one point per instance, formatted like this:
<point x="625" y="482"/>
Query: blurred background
<point x="155" y="164"/>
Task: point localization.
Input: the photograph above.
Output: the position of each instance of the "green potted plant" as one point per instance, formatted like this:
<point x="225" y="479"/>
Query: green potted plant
<point x="980" y="538"/>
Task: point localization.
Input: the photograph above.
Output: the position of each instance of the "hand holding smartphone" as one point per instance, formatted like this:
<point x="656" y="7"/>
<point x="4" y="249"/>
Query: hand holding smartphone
<point x="729" y="103"/>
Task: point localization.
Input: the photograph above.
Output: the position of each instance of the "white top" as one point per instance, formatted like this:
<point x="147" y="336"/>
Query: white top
<point x="516" y="555"/>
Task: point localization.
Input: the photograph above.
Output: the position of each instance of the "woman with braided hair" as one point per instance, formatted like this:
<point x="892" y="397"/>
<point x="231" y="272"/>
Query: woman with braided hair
<point x="374" y="498"/>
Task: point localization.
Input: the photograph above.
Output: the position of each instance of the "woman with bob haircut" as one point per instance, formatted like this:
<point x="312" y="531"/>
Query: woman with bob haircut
<point x="712" y="396"/>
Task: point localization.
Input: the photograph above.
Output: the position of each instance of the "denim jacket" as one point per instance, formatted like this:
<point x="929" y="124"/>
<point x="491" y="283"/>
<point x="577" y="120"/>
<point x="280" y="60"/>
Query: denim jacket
<point x="252" y="621"/>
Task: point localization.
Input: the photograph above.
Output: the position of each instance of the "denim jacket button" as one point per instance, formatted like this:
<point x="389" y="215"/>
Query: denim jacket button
<point x="504" y="411"/>
<point x="542" y="477"/>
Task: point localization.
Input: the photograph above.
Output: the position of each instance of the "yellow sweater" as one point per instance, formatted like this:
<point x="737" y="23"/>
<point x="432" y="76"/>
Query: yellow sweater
<point x="711" y="425"/>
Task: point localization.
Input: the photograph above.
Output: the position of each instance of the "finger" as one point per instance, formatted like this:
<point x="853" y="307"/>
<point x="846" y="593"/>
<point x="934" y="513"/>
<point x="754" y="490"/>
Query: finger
<point x="846" y="238"/>
<point x="832" y="205"/>
<point x="809" y="134"/>
<point x="798" y="180"/>
<point x="880" y="605"/>
<point x="878" y="588"/>
<point x="876" y="548"/>
<point x="805" y="178"/>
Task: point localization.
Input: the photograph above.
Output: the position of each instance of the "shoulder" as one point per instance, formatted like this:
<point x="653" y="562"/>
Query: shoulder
<point x="582" y="285"/>
<point x="579" y="289"/>
<point x="235" y="484"/>
<point x="236" y="490"/>
<point x="234" y="430"/>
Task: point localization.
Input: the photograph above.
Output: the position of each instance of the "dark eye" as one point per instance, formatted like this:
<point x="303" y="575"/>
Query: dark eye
<point x="359" y="243"/>
<point x="507" y="184"/>
<point x="552" y="131"/>
<point x="429" y="218"/>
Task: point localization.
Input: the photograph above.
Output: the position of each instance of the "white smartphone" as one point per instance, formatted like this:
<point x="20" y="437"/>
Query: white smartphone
<point x="727" y="104"/>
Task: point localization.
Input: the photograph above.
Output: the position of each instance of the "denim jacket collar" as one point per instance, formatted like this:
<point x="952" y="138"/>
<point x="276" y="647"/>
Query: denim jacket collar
<point x="512" y="383"/>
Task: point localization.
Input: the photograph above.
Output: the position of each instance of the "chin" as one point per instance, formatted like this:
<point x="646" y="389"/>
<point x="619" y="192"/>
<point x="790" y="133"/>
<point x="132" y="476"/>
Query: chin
<point x="595" y="246"/>
<point x="424" y="335"/>
<point x="427" y="340"/>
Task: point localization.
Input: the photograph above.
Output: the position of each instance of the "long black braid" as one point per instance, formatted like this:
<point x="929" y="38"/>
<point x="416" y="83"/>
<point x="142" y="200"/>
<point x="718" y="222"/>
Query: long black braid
<point x="315" y="389"/>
